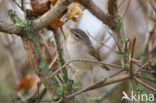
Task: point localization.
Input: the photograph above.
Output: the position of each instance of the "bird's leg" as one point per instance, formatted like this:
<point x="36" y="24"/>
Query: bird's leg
<point x="74" y="76"/>
<point x="92" y="77"/>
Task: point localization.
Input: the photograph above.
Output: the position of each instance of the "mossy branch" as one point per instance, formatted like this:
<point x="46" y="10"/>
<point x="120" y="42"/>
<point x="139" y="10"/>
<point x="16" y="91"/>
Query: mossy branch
<point x="60" y="57"/>
<point x="118" y="29"/>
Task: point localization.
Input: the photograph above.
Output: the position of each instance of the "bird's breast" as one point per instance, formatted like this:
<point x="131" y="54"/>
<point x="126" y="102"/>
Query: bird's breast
<point x="76" y="51"/>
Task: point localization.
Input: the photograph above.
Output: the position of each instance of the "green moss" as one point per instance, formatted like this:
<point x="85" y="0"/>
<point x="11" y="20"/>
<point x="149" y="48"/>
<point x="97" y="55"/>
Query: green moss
<point x="123" y="45"/>
<point x="43" y="65"/>
<point x="16" y="19"/>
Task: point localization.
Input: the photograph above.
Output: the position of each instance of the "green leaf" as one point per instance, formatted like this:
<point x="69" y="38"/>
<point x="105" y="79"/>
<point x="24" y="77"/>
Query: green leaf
<point x="76" y="100"/>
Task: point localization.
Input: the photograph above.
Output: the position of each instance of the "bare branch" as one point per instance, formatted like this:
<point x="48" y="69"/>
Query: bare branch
<point x="101" y="84"/>
<point x="98" y="12"/>
<point x="146" y="64"/>
<point x="100" y="42"/>
<point x="146" y="78"/>
<point x="132" y="45"/>
<point x="121" y="4"/>
<point x="51" y="15"/>
<point x="22" y="5"/>
<point x="18" y="5"/>
<point x="10" y="28"/>
<point x="145" y="85"/>
<point x="81" y="60"/>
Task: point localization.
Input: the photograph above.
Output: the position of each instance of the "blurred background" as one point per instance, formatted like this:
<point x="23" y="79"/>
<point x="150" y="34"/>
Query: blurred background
<point x="139" y="21"/>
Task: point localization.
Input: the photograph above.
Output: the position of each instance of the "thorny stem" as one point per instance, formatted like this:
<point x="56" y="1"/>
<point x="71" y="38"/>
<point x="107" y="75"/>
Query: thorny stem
<point x="132" y="45"/>
<point x="100" y="84"/>
<point x="146" y="64"/>
<point x="144" y="84"/>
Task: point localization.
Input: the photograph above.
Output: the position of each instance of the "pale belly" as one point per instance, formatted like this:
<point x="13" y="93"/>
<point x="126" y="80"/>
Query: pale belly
<point x="82" y="65"/>
<point x="80" y="53"/>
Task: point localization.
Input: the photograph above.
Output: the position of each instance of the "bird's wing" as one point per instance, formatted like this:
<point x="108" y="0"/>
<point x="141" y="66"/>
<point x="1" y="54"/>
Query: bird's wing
<point x="95" y="54"/>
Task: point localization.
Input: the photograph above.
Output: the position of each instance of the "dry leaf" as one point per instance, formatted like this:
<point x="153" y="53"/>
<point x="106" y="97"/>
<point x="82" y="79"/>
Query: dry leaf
<point x="27" y="84"/>
<point x="39" y="7"/>
<point x="73" y="11"/>
<point x="57" y="22"/>
<point x="53" y="2"/>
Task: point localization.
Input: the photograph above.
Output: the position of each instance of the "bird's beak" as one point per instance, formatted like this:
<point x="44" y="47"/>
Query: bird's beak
<point x="69" y="29"/>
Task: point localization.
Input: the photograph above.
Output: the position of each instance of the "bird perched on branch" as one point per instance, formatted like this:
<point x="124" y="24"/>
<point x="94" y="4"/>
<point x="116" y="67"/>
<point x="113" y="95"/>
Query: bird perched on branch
<point x="79" y="47"/>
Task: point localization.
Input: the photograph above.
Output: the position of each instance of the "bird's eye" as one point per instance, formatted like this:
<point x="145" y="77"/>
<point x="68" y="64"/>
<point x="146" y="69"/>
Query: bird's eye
<point x="76" y="35"/>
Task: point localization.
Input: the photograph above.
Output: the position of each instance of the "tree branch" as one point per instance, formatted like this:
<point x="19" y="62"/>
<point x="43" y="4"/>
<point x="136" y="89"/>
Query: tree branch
<point x="101" y="84"/>
<point x="81" y="60"/>
<point x="60" y="57"/>
<point x="10" y="28"/>
<point x="153" y="5"/>
<point x="144" y="65"/>
<point x="98" y="12"/>
<point x="144" y="84"/>
<point x="51" y="15"/>
<point x="132" y="45"/>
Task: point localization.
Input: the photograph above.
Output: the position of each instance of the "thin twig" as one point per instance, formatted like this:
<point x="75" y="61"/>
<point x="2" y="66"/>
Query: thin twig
<point x="132" y="45"/>
<point x="152" y="4"/>
<point x="18" y="5"/>
<point x="81" y="60"/>
<point x="38" y="92"/>
<point x="107" y="39"/>
<point x="135" y="60"/>
<point x="64" y="36"/>
<point x="144" y="84"/>
<point x="100" y="84"/>
<point x="126" y="9"/>
<point x="116" y="41"/>
<point x="55" y="58"/>
<point x="146" y="78"/>
<point x="102" y="38"/>
<point x="144" y="65"/>
<point x="118" y="72"/>
<point x="100" y="42"/>
<point x="53" y="62"/>
<point x="22" y="5"/>
<point x="46" y="45"/>
<point x="121" y="4"/>
<point x="60" y="57"/>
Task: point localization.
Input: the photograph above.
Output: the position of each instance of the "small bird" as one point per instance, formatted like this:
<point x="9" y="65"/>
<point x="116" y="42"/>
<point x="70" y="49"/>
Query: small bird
<point x="78" y="46"/>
